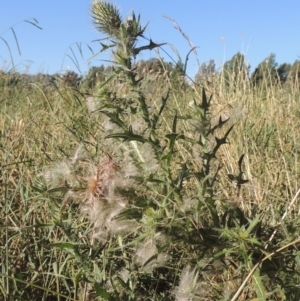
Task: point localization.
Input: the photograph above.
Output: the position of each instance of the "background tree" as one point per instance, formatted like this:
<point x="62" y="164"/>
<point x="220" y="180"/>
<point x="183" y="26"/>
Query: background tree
<point x="205" y="71"/>
<point x="283" y="72"/>
<point x="266" y="72"/>
<point x="71" y="79"/>
<point x="294" y="73"/>
<point x="235" y="71"/>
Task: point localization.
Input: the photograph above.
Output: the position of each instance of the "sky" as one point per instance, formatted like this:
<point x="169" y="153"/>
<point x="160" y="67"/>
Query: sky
<point x="218" y="28"/>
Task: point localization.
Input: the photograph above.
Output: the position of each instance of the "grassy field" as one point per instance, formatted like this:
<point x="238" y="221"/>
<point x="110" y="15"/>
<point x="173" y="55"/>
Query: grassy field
<point x="155" y="189"/>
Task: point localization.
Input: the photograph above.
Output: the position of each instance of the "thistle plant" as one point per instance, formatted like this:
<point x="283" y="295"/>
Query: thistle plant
<point x="150" y="145"/>
<point x="137" y="193"/>
<point x="149" y="202"/>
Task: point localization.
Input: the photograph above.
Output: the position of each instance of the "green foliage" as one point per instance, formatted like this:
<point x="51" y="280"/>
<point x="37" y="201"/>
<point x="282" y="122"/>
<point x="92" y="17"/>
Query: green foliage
<point x="71" y="79"/>
<point x="266" y="74"/>
<point x="235" y="71"/>
<point x="283" y="72"/>
<point x="294" y="72"/>
<point x="205" y="71"/>
<point x="269" y="73"/>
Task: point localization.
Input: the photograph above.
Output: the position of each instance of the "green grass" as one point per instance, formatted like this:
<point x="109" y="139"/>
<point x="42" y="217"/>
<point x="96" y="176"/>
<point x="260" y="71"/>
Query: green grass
<point x="151" y="196"/>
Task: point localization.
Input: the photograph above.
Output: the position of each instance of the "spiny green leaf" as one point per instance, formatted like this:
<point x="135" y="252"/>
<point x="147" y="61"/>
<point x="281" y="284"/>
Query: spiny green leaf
<point x="128" y="136"/>
<point x="253" y="223"/>
<point x="254" y="241"/>
<point x="205" y="103"/>
<point x="114" y="118"/>
<point x="150" y="46"/>
<point x="102" y="292"/>
<point x="218" y="126"/>
<point x="258" y="285"/>
<point x="221" y="141"/>
<point x="105" y="47"/>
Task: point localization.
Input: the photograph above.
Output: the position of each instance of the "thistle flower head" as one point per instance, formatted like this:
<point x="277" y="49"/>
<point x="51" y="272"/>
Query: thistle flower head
<point x="107" y="18"/>
<point x="102" y="203"/>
